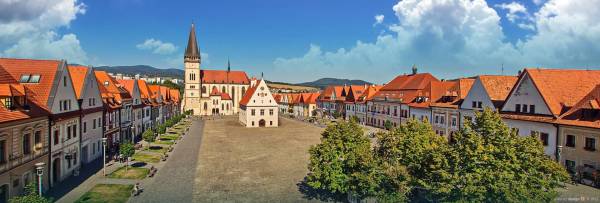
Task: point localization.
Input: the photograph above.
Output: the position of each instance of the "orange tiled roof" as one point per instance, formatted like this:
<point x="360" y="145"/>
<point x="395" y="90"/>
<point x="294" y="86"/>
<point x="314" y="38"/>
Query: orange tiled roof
<point x="449" y="94"/>
<point x="13" y="69"/>
<point x="562" y="88"/>
<point x="498" y="86"/>
<point x="246" y="98"/>
<point x="406" y="87"/>
<point x="368" y="94"/>
<point x="78" y="74"/>
<point x="579" y="116"/>
<point x="224" y="77"/>
<point x="175" y="96"/>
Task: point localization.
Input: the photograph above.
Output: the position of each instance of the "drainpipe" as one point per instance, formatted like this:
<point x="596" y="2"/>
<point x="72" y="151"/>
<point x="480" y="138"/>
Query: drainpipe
<point x="50" y="164"/>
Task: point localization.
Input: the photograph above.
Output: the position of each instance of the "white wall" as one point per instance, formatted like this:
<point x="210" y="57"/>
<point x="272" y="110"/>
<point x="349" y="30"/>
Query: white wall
<point x="525" y="128"/>
<point x="477" y="93"/>
<point x="526" y="93"/>
<point x="420" y="112"/>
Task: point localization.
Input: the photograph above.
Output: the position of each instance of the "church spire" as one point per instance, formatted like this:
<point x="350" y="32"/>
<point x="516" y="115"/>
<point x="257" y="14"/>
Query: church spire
<point x="192" y="54"/>
<point x="228" y="65"/>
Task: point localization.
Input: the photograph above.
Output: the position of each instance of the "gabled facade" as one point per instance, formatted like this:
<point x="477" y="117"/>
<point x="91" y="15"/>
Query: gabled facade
<point x="111" y="121"/>
<point x="133" y="88"/>
<point x="258" y="107"/>
<point x="488" y="91"/>
<point x="449" y="95"/>
<point x="149" y="105"/>
<point x="90" y="101"/>
<point x="540" y="96"/>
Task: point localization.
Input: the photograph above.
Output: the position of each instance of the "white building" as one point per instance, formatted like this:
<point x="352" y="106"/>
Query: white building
<point x="258" y="108"/>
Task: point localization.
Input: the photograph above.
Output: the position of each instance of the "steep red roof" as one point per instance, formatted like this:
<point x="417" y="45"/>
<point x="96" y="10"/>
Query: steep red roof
<point x="224" y="77"/>
<point x="498" y="86"/>
<point x="584" y="113"/>
<point x="563" y="88"/>
<point x="406" y="87"/>
<point x="78" y="74"/>
<point x="246" y="98"/>
<point x="13" y="69"/>
<point x="112" y="92"/>
<point x="175" y="96"/>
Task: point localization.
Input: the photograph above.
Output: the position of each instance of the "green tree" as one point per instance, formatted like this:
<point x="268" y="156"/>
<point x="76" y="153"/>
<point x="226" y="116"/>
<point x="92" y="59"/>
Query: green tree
<point x="149" y="136"/>
<point x="31" y="196"/>
<point x="343" y="163"/>
<point x="354" y="118"/>
<point x="127" y="150"/>
<point x="493" y="163"/>
<point x="415" y="148"/>
<point x="169" y="123"/>
<point x="388" y="125"/>
<point x="161" y="129"/>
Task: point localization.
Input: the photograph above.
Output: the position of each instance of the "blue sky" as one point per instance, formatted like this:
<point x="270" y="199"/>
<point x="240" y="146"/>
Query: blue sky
<point x="296" y="41"/>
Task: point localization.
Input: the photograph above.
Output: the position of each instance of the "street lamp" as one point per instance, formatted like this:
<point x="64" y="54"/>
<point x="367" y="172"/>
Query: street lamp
<point x="39" y="167"/>
<point x="132" y="135"/>
<point x="558" y="153"/>
<point x="104" y="156"/>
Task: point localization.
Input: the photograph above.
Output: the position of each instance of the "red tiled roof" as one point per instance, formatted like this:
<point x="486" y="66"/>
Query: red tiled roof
<point x="246" y="98"/>
<point x="113" y="93"/>
<point x="563" y="88"/>
<point x="224" y="77"/>
<point x="175" y="96"/>
<point x="368" y="94"/>
<point x="12" y="69"/>
<point x="406" y="87"/>
<point x="215" y="91"/>
<point x="577" y="115"/>
<point x="128" y="85"/>
<point x="78" y="74"/>
<point x="498" y="86"/>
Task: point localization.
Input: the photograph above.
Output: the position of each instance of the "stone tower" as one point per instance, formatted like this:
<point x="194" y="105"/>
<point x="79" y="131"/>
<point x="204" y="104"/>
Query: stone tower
<point x="193" y="81"/>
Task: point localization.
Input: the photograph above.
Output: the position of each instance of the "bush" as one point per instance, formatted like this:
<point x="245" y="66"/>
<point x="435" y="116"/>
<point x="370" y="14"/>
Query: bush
<point x="161" y="129"/>
<point x="148" y="136"/>
<point x="31" y="196"/>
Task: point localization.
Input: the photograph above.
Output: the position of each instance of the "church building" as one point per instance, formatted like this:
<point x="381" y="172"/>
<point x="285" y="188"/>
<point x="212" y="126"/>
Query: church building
<point x="211" y="92"/>
<point x="258" y="107"/>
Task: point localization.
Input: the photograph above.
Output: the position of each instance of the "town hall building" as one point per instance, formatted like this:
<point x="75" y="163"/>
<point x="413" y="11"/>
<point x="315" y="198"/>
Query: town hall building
<point x="258" y="108"/>
<point x="211" y="92"/>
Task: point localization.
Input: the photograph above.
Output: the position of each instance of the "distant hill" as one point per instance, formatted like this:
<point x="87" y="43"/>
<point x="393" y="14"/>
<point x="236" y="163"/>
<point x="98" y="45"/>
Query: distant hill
<point x="324" y="82"/>
<point x="143" y="70"/>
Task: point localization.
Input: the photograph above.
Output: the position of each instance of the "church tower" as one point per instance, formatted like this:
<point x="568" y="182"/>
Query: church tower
<point x="193" y="81"/>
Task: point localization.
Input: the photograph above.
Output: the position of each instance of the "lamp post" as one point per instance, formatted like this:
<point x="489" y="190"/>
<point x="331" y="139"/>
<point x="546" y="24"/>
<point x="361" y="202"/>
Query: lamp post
<point x="132" y="135"/>
<point x="558" y="153"/>
<point x="39" y="167"/>
<point x="104" y="156"/>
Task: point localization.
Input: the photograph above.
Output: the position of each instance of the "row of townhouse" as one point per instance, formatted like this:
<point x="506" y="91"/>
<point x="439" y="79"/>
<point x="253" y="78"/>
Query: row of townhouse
<point x="57" y="114"/>
<point x="560" y="106"/>
<point x="299" y="105"/>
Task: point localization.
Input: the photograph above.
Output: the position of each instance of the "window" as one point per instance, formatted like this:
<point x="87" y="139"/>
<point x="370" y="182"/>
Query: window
<point x="270" y="122"/>
<point x="24" y="78"/>
<point x="93" y="125"/>
<point x="2" y="151"/>
<point x="84" y="127"/>
<point x="570" y="141"/>
<point x="271" y="112"/>
<point x="56" y="136"/>
<point x="253" y="112"/>
<point x="37" y="138"/>
<point x="544" y="138"/>
<point x="524" y="108"/>
<point x="570" y="165"/>
<point x="68" y="132"/>
<point x="75" y="158"/>
<point x="590" y="144"/>
<point x="26" y="144"/>
<point x="8" y="102"/>
<point x="517" y="108"/>
<point x="474" y="104"/>
<point x="74" y="128"/>
<point x="479" y="104"/>
<point x="262" y="112"/>
<point x="532" y="109"/>
<point x="65" y="81"/>
<point x="252" y="123"/>
<point x="453" y="121"/>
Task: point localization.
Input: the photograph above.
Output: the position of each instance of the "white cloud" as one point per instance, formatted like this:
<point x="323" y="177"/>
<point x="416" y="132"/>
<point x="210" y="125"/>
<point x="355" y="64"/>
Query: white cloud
<point x="538" y="2"/>
<point x="157" y="46"/>
<point x="49" y="46"/>
<point x="515" y="10"/>
<point x="24" y="24"/>
<point x="379" y="19"/>
<point x="454" y="38"/>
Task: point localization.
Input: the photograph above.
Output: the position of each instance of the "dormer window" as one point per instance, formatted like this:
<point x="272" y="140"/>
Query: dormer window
<point x="8" y="102"/>
<point x="30" y="78"/>
<point x="105" y="83"/>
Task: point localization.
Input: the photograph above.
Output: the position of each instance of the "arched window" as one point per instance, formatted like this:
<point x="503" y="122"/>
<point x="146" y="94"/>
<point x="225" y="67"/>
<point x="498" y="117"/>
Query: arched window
<point x="243" y="91"/>
<point x="222" y="106"/>
<point x="227" y="107"/>
<point x="223" y="89"/>
<point x="205" y="106"/>
<point x="203" y="89"/>
<point x="233" y="93"/>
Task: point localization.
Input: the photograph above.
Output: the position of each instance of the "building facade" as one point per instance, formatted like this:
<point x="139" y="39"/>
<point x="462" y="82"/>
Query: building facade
<point x="258" y="107"/>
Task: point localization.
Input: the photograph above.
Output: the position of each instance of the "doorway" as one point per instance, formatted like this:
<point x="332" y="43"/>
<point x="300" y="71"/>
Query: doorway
<point x="261" y="123"/>
<point x="56" y="170"/>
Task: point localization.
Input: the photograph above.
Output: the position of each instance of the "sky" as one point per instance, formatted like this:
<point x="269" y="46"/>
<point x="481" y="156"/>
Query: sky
<point x="299" y="41"/>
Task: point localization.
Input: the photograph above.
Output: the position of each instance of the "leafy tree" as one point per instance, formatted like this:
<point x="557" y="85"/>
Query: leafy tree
<point x="31" y="196"/>
<point x="415" y="148"/>
<point x="161" y="129"/>
<point x="127" y="150"/>
<point x="493" y="163"/>
<point x="354" y="118"/>
<point x="343" y="163"/>
<point x="336" y="114"/>
<point x="169" y="123"/>
<point x="388" y="125"/>
<point x="148" y="136"/>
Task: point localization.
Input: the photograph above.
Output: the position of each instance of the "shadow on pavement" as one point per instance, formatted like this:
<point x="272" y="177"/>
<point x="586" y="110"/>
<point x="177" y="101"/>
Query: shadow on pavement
<point x="318" y="194"/>
<point x="62" y="188"/>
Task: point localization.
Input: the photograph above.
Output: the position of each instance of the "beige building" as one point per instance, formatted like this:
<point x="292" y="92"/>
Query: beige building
<point x="258" y="108"/>
<point x="199" y="83"/>
<point x="578" y="135"/>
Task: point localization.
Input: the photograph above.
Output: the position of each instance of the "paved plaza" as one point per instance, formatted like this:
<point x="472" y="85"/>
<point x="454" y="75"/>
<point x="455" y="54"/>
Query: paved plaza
<point x="240" y="164"/>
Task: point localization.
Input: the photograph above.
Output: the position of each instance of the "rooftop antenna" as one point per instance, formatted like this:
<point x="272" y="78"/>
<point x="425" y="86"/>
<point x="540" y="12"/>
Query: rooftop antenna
<point x="502" y="73"/>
